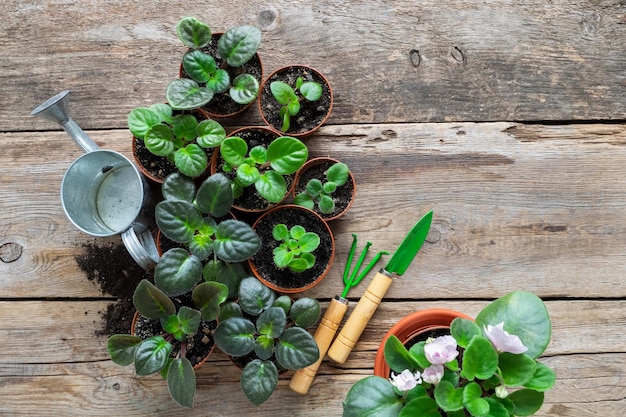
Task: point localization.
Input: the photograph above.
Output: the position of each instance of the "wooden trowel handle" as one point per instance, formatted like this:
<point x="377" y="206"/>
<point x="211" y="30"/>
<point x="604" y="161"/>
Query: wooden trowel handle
<point x="303" y="378"/>
<point x="363" y="312"/>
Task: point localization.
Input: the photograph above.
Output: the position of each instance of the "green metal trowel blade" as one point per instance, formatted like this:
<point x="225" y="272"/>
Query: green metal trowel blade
<point x="409" y="247"/>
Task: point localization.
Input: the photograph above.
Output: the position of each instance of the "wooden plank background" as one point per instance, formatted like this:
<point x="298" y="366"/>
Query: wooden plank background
<point x="508" y="119"/>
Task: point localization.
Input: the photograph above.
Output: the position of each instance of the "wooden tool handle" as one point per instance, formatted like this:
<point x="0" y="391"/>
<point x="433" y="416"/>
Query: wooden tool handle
<point x="352" y="329"/>
<point x="303" y="378"/>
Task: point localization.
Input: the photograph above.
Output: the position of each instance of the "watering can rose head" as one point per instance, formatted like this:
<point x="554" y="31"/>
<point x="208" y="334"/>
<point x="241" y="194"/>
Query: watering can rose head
<point x="486" y="367"/>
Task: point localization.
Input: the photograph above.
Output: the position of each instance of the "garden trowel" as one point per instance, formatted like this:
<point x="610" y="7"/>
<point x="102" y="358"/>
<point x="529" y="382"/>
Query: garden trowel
<point x="397" y="265"/>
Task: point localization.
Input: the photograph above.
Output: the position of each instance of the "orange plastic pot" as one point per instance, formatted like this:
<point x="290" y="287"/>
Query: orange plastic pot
<point x="412" y="326"/>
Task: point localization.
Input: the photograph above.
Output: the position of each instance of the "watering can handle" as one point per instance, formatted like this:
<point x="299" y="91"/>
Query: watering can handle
<point x="141" y="247"/>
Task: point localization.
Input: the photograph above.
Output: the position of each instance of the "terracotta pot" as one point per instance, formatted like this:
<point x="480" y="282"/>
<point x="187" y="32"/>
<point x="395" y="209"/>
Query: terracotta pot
<point x="284" y="280"/>
<point x="412" y="326"/>
<point x="253" y="135"/>
<point x="349" y="187"/>
<point x="215" y="107"/>
<point x="270" y="115"/>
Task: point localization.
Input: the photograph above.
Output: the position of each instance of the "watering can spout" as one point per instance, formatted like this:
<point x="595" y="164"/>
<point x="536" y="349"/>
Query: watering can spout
<point x="56" y="109"/>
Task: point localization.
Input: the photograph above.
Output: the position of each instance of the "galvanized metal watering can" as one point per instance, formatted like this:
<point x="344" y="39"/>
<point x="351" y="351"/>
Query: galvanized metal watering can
<point x="103" y="193"/>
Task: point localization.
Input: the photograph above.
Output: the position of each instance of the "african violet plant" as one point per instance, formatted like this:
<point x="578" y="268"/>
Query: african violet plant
<point x="210" y="244"/>
<point x="155" y="354"/>
<point x="484" y="368"/>
<point x="178" y="137"/>
<point x="263" y="167"/>
<point x="320" y="193"/>
<point x="272" y="331"/>
<point x="289" y="98"/>
<point x="296" y="248"/>
<point x="236" y="47"/>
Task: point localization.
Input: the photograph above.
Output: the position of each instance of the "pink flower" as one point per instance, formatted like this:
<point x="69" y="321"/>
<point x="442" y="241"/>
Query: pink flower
<point x="406" y="380"/>
<point x="433" y="374"/>
<point x="441" y="350"/>
<point x="503" y="341"/>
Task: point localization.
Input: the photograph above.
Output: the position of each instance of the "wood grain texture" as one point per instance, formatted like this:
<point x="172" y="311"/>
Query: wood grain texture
<point x="388" y="61"/>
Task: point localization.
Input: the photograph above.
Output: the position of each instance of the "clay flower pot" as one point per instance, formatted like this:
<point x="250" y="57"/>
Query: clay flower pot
<point x="284" y="280"/>
<point x="312" y="114"/>
<point x="343" y="196"/>
<point x="418" y="325"/>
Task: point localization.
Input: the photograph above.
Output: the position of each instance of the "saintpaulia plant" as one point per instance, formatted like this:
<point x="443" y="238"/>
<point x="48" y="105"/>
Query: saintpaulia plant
<point x="194" y="219"/>
<point x="236" y="47"/>
<point x="296" y="250"/>
<point x="263" y="167"/>
<point x="320" y="193"/>
<point x="290" y="97"/>
<point x="483" y="368"/>
<point x="155" y="354"/>
<point x="178" y="137"/>
<point x="271" y="331"/>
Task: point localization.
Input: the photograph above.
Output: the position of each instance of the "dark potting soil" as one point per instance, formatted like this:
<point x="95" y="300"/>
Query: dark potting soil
<point x="222" y="104"/>
<point x="117" y="274"/>
<point x="341" y="196"/>
<point x="263" y="260"/>
<point x="312" y="113"/>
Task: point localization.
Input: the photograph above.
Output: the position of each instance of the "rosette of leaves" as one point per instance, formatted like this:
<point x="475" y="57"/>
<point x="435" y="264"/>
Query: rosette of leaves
<point x="289" y="98"/>
<point x="270" y="329"/>
<point x="180" y="138"/>
<point x="193" y="219"/>
<point x="155" y="354"/>
<point x="320" y="192"/>
<point x="236" y="47"/>
<point x="296" y="248"/>
<point x="263" y="167"/>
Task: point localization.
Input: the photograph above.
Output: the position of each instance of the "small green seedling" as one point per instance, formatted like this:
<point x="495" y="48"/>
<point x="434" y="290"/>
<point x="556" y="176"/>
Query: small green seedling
<point x="236" y="47"/>
<point x="290" y="98"/>
<point x="180" y="138"/>
<point x="296" y="250"/>
<point x="320" y="193"/>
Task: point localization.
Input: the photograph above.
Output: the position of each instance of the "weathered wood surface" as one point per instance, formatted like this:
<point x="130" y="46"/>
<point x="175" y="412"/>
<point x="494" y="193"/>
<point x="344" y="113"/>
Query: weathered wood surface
<point x="389" y="61"/>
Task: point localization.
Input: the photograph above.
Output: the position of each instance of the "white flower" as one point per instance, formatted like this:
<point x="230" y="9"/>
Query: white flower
<point x="406" y="380"/>
<point x="503" y="341"/>
<point x="433" y="374"/>
<point x="441" y="350"/>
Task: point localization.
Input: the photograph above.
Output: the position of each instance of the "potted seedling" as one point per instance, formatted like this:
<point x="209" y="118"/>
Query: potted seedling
<point x="170" y="336"/>
<point x="261" y="166"/>
<point x="297" y="249"/>
<point x="326" y="186"/>
<point x="265" y="335"/>
<point x="177" y="138"/>
<point x="220" y="73"/>
<point x="295" y="100"/>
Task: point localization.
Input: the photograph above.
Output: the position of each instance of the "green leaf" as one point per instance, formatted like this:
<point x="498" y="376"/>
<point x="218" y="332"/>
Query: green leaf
<point x="181" y="382"/>
<point x="208" y="297"/>
<point x="272" y="322"/>
<point x="254" y="297"/>
<point x="189" y="319"/>
<point x="219" y="81"/>
<point x="210" y="134"/>
<point x="523" y="315"/>
<point x="327" y="204"/>
<point x="309" y="242"/>
<point x="480" y="359"/>
<point x="417" y="352"/>
<point x="215" y="195"/>
<point x="245" y="89"/>
<point x="185" y="127"/>
<point x="259" y="154"/>
<point x="296" y="349"/>
<point x="177" y="186"/>
<point x="239" y="44"/>
<point x="284" y="302"/>
<point x="141" y="120"/>
<point x="422" y="407"/>
<point x="526" y="402"/>
<point x="280" y="232"/>
<point x="282" y="92"/>
<point x="397" y="356"/>
<point x="235" y="241"/>
<point x="177" y="272"/>
<point x="314" y="187"/>
<point x="305" y="312"/>
<point x="159" y="140"/>
<point x="186" y="94"/>
<point x="287" y="154"/>
<point x="293" y="108"/>
<point x="199" y="65"/>
<point x="151" y="355"/>
<point x="372" y="396"/>
<point x="304" y="200"/>
<point x="259" y="380"/>
<point x="264" y="347"/>
<point x="471" y="392"/>
<point x="151" y="302"/>
<point x="121" y="348"/>
<point x="299" y="264"/>
<point x="448" y="397"/>
<point x="282" y="257"/>
<point x="271" y="186"/>
<point x="478" y="407"/>
<point x="235" y="336"/>
<point x="193" y="33"/>
<point x="247" y="174"/>
<point x="229" y="274"/>
<point x="464" y="331"/>
<point x="516" y="369"/>
<point x="311" y="90"/>
<point x="297" y="231"/>
<point x="543" y="378"/>
<point x="338" y="173"/>
<point x="496" y="409"/>
<point x="201" y="245"/>
<point x="178" y="219"/>
<point x="172" y="325"/>
<point x="284" y="114"/>
<point x="234" y="150"/>
<point x="191" y="160"/>
<point x="230" y="309"/>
